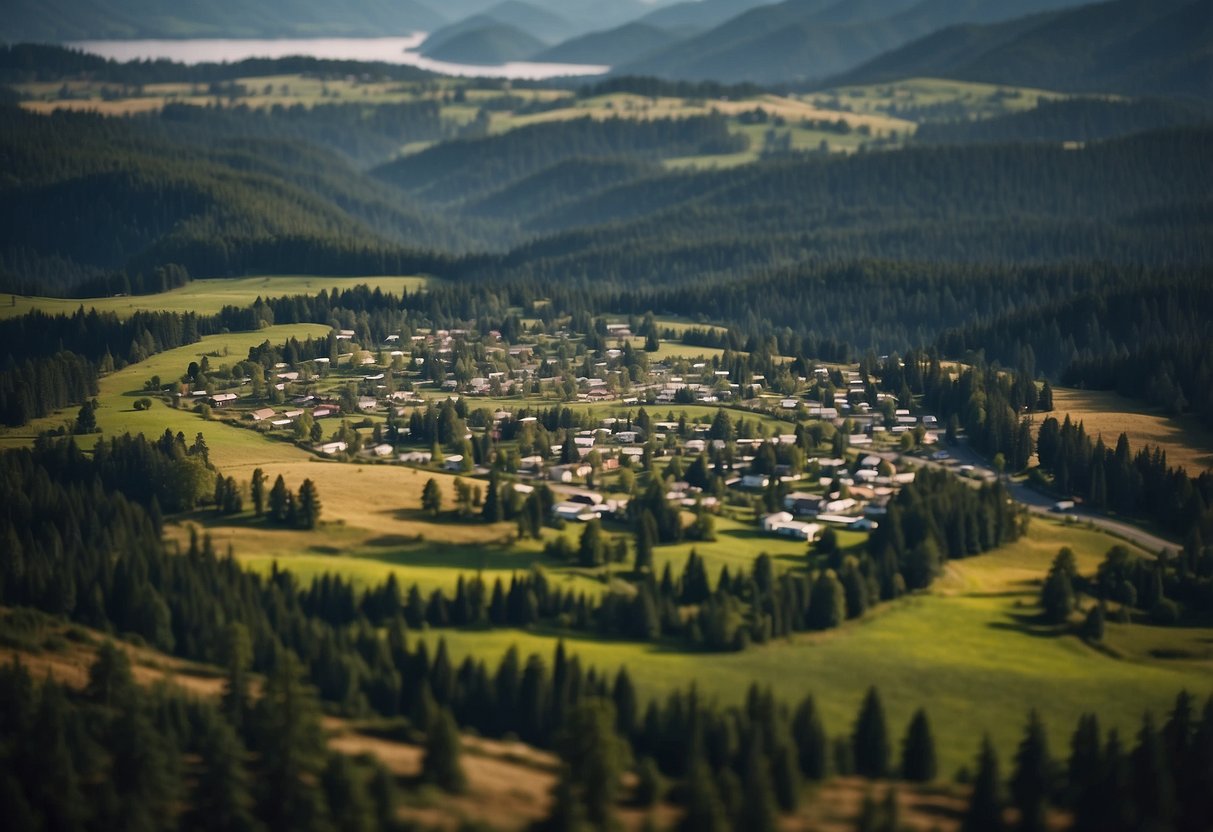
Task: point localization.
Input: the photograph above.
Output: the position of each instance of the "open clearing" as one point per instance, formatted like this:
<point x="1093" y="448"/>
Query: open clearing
<point x="118" y="391"/>
<point x="1187" y="443"/>
<point x="978" y="659"/>
<point x="208" y="296"/>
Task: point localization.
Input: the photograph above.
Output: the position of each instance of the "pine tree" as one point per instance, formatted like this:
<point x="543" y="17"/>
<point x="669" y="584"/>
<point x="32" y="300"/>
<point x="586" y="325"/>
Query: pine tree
<point x="918" y="750"/>
<point x="785" y="774"/>
<point x="591" y="549"/>
<point x="309" y="505"/>
<point x="870" y="740"/>
<point x="236" y="656"/>
<point x="985" y="803"/>
<point x="492" y="511"/>
<point x="278" y="500"/>
<point x="1031" y="782"/>
<point x="811" y="744"/>
<point x="1153" y="783"/>
<point x="431" y="498"/>
<point x="704" y="810"/>
<point x="442" y="765"/>
<point x="291" y="743"/>
<point x="758" y="812"/>
<point x="594" y="756"/>
<point x="345" y="795"/>
<point x="220" y="800"/>
<point x="646" y="537"/>
<point x="110" y="681"/>
<point x="257" y="488"/>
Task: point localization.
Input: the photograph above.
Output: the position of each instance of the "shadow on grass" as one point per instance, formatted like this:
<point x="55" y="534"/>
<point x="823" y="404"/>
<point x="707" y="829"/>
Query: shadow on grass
<point x="1030" y="624"/>
<point x="471" y="558"/>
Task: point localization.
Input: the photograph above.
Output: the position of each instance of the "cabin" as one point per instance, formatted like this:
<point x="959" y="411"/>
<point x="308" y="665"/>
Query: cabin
<point x="261" y="414"/>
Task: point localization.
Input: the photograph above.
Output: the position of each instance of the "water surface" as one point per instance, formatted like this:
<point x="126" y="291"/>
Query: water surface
<point x="394" y="50"/>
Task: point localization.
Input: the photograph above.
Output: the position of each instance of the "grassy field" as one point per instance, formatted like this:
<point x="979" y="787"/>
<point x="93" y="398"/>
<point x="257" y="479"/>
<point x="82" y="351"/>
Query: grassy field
<point x="912" y="98"/>
<point x="971" y="653"/>
<point x="1187" y="443"/>
<point x="207" y="296"/>
<point x="229" y="445"/>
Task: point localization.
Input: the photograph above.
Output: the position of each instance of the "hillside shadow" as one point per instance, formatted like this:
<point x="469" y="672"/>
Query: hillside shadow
<point x="1030" y="624"/>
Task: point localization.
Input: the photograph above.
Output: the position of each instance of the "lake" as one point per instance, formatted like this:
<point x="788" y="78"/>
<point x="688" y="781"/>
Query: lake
<point x="394" y="50"/>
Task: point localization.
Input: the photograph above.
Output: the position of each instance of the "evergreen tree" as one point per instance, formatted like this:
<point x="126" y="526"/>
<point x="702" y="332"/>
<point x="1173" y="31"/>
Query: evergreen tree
<point x="278" y="500"/>
<point x="442" y="765"/>
<point x="594" y="757"/>
<point x="785" y="775"/>
<point x="431" y="498"/>
<point x="291" y="745"/>
<point x="236" y="656"/>
<point x="492" y="511"/>
<point x="345" y="795"/>
<point x="1031" y="783"/>
<point x="985" y="803"/>
<point x="646" y="537"/>
<point x="220" y="800"/>
<point x="257" y="488"/>
<point x="591" y="549"/>
<point x="918" y="750"/>
<point x="811" y="744"/>
<point x="758" y="810"/>
<point x="870" y="740"/>
<point x="1153" y="783"/>
<point x="309" y="505"/>
<point x="704" y="810"/>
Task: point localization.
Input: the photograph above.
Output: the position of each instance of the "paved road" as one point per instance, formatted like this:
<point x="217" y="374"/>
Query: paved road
<point x="1039" y="504"/>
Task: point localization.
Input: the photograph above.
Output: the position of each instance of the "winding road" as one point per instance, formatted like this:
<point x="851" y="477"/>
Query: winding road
<point x="1039" y="504"/>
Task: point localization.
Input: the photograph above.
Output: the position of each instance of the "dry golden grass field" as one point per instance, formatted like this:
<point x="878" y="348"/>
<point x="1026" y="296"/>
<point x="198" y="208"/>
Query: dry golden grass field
<point x="1187" y="444"/>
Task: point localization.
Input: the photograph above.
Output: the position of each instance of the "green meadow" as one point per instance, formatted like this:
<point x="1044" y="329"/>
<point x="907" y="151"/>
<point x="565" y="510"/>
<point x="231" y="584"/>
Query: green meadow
<point x="207" y="297"/>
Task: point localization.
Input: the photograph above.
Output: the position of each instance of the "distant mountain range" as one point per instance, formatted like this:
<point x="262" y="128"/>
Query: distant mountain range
<point x="56" y="21"/>
<point x="1133" y="47"/>
<point x="621" y="45"/>
<point x="812" y="39"/>
<point x="52" y="21"/>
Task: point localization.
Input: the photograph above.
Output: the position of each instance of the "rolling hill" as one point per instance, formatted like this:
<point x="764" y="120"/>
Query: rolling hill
<point x="125" y="196"/>
<point x="807" y="39"/>
<point x="494" y="44"/>
<point x="1125" y="46"/>
<point x="537" y="24"/>
<point x="625" y="44"/>
<point x="52" y="21"/>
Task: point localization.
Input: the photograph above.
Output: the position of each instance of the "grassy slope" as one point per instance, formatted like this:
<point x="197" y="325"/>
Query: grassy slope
<point x="119" y="390"/>
<point x="1187" y="443"/>
<point x="969" y="652"/>
<point x="207" y="296"/>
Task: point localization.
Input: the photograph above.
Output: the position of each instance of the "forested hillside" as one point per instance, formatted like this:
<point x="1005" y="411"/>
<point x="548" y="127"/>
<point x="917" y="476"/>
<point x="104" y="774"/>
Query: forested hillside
<point x="127" y="198"/>
<point x="61" y="20"/>
<point x="1134" y="47"/>
<point x="812" y="39"/>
